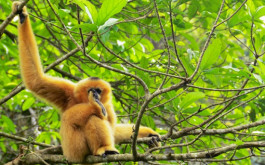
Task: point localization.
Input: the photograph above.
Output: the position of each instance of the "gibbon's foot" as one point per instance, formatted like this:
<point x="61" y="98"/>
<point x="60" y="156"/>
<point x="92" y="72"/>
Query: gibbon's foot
<point x="107" y="150"/>
<point x="109" y="153"/>
<point x="155" y="141"/>
<point x="22" y="13"/>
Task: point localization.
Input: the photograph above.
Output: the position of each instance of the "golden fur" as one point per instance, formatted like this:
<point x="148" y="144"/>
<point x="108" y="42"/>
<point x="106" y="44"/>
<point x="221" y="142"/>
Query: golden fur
<point x="84" y="129"/>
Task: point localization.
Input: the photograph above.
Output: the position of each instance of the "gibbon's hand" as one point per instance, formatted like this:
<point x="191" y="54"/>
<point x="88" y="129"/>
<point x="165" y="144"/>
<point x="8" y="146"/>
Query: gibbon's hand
<point x="22" y="13"/>
<point x="96" y="96"/>
<point x="155" y="141"/>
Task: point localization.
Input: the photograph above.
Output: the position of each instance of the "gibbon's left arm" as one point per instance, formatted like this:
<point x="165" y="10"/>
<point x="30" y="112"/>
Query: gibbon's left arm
<point x="55" y="90"/>
<point x="124" y="132"/>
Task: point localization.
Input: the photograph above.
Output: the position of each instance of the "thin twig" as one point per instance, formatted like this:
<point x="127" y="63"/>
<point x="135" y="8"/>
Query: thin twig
<point x="225" y="90"/>
<point x="166" y="43"/>
<point x="207" y="42"/>
<point x="232" y="14"/>
<point x="18" y="138"/>
<point x="174" y="40"/>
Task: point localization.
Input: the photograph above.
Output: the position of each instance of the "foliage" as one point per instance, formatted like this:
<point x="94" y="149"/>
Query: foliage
<point x="191" y="66"/>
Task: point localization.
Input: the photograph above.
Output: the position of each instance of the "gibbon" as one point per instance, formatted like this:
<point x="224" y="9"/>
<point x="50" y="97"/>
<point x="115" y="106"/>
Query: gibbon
<point x="88" y="120"/>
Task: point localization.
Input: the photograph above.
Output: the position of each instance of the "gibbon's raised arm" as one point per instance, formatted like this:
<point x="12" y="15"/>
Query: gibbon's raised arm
<point x="55" y="90"/>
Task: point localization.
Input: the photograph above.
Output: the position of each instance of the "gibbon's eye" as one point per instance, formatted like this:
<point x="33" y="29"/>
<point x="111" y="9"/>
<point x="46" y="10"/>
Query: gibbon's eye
<point x="98" y="90"/>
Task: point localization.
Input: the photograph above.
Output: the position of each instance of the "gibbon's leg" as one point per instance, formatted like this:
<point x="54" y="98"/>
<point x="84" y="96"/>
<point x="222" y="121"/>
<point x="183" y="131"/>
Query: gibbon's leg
<point x="55" y="90"/>
<point x="73" y="126"/>
<point x="124" y="132"/>
<point x="73" y="142"/>
<point x="99" y="137"/>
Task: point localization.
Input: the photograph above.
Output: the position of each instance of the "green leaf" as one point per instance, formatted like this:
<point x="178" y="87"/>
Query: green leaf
<point x="252" y="115"/>
<point x="108" y="9"/>
<point x="148" y="121"/>
<point x="190" y="98"/>
<point x="91" y="11"/>
<point x="7" y="124"/>
<point x="239" y="17"/>
<point x="86" y="27"/>
<point x="239" y="142"/>
<point x="187" y="64"/>
<point x="108" y="23"/>
<point x="28" y="103"/>
<point x="191" y="110"/>
<point x="193" y="8"/>
<point x="251" y="6"/>
<point x="2" y="145"/>
<point x="211" y="54"/>
<point x="260" y="12"/>
<point x="195" y="120"/>
<point x="193" y="43"/>
<point x="44" y="137"/>
<point x="89" y="8"/>
<point x="63" y="12"/>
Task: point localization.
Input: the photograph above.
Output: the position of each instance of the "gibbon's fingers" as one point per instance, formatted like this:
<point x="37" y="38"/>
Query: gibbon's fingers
<point x="96" y="96"/>
<point x="102" y="107"/>
<point x="22" y="17"/>
<point x="22" y="13"/>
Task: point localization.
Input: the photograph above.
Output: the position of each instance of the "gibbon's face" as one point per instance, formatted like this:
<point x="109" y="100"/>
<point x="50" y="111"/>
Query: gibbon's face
<point x="94" y="84"/>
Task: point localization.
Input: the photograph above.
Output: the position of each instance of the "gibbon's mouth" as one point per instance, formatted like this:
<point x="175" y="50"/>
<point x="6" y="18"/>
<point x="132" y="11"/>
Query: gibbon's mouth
<point x="96" y="95"/>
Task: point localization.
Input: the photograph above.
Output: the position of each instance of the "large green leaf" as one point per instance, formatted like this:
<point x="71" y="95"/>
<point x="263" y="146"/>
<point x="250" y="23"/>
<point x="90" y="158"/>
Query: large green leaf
<point x="7" y="124"/>
<point x="190" y="98"/>
<point x="108" y="9"/>
<point x="211" y="54"/>
<point x="28" y="103"/>
<point x="89" y="8"/>
<point x="260" y="12"/>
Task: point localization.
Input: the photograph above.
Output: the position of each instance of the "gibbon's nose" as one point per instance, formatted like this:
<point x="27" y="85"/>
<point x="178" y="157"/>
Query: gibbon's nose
<point x="98" y="90"/>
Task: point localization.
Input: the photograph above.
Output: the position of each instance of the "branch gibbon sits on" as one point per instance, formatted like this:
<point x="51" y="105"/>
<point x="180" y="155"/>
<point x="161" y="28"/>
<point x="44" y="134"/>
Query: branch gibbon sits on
<point x="88" y="120"/>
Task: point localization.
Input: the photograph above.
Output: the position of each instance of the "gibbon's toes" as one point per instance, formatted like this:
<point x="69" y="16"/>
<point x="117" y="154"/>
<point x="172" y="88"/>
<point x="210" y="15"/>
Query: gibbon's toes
<point x="22" y="13"/>
<point x="155" y="141"/>
<point x="109" y="153"/>
<point x="106" y="150"/>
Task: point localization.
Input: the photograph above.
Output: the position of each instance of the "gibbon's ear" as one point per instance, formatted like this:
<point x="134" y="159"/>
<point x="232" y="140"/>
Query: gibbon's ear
<point x="94" y="95"/>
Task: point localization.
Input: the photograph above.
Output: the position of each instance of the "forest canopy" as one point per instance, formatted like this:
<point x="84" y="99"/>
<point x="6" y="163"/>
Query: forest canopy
<point x="194" y="71"/>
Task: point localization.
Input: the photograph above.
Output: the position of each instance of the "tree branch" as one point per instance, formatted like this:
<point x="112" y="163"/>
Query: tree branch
<point x="211" y="153"/>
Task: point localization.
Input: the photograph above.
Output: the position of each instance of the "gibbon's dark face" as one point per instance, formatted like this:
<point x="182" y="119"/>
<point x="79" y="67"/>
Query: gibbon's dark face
<point x="96" y="92"/>
<point x="100" y="88"/>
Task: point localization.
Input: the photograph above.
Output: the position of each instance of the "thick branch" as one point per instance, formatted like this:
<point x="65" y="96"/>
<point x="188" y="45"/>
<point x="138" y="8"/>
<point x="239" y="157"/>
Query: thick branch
<point x="35" y="158"/>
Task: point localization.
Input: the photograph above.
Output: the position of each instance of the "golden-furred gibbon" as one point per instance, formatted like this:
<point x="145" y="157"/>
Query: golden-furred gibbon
<point x="88" y="120"/>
